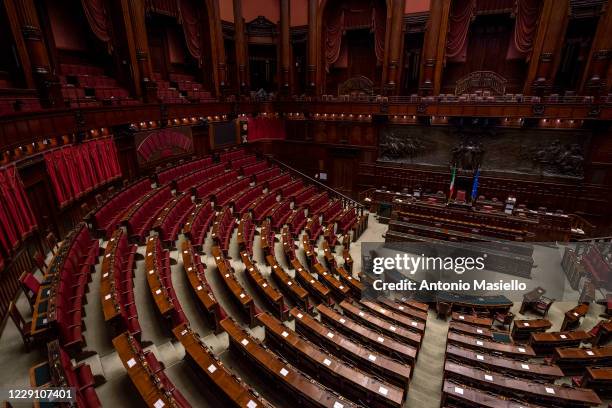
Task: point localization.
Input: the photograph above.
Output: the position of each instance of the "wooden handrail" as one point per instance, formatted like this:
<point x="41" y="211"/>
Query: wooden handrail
<point x="346" y="201"/>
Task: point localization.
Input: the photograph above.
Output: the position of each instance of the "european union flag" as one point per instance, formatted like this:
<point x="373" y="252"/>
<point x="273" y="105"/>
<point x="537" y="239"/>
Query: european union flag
<point x="475" y="185"/>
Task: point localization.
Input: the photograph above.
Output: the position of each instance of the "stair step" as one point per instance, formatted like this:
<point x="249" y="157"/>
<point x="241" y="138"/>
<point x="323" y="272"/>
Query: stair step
<point x="112" y="366"/>
<point x="168" y="354"/>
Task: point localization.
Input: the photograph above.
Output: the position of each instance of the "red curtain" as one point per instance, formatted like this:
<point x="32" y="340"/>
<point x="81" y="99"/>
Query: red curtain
<point x="72" y="171"/>
<point x="334" y="30"/>
<point x="16" y="217"/>
<point x="263" y="128"/>
<point x="527" y="13"/>
<point x="8" y="234"/>
<point x="12" y="188"/>
<point x="55" y="177"/>
<point x="461" y="16"/>
<point x="191" y="27"/>
<point x="95" y="12"/>
<point x="342" y="18"/>
<point x="379" y="22"/>
<point x="76" y="170"/>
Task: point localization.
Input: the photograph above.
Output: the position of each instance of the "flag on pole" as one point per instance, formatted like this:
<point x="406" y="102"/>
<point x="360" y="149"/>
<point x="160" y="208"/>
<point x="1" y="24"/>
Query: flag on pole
<point x="475" y="185"/>
<point x="452" y="183"/>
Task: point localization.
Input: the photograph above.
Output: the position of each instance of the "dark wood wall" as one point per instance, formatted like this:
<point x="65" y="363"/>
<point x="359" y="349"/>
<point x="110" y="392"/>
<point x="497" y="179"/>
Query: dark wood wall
<point x="488" y="41"/>
<point x="349" y="154"/>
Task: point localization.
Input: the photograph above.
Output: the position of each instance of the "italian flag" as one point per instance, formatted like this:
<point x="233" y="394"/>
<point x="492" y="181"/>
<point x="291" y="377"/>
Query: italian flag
<point x="452" y="183"/>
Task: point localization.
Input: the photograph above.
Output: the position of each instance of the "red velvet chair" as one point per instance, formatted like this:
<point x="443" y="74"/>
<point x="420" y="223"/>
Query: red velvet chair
<point x="39" y="261"/>
<point x="460" y="197"/>
<point x="30" y="287"/>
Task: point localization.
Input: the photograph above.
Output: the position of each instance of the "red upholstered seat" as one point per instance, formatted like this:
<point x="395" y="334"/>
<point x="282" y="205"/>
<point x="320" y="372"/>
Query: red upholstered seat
<point x="154" y="364"/>
<point x="30" y="286"/>
<point x="460" y="197"/>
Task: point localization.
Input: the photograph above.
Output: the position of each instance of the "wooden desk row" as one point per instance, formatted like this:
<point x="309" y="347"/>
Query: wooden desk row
<point x="234" y="390"/>
<point x="272" y="296"/>
<point x="111" y="302"/>
<point x="559" y="396"/>
<point x="530" y="298"/>
<point x="463" y="302"/>
<point x="456" y="394"/>
<point x="598" y="379"/>
<point x="153" y="265"/>
<point x="196" y="275"/>
<point x="338" y="289"/>
<point x="488" y="346"/>
<point x="289" y="285"/>
<point x="379" y="308"/>
<point x="604" y="333"/>
<point x="294" y="383"/>
<point x="329" y="234"/>
<point x="544" y="343"/>
<point x="58" y="371"/>
<point x="485" y="322"/>
<point x="117" y="286"/>
<point x="575" y="360"/>
<point x="366" y="335"/>
<point x="266" y="238"/>
<point x="353" y="283"/>
<point x="351" y="382"/>
<point x="288" y="244"/>
<point x="397" y="332"/>
<point x="522" y="329"/>
<point x="309" y="251"/>
<point x="572" y="317"/>
<point x="316" y="289"/>
<point x="154" y="387"/>
<point x="503" y="364"/>
<point x="510" y="234"/>
<point x="368" y="360"/>
<point x="413" y="304"/>
<point x="330" y="259"/>
<point x="226" y="272"/>
<point x="346" y="253"/>
<point x="45" y="311"/>
<point x="470" y="330"/>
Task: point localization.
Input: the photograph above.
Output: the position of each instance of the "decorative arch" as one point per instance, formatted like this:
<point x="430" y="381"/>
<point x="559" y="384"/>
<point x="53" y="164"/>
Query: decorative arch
<point x="163" y="144"/>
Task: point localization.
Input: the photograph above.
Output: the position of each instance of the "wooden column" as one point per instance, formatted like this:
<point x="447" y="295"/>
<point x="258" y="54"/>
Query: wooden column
<point x="38" y="55"/>
<point x="311" y="78"/>
<point x="126" y="152"/>
<point x="125" y="47"/>
<point x="20" y="45"/>
<point x="241" y="48"/>
<point x="434" y="47"/>
<point x="598" y="72"/>
<point x="217" y="46"/>
<point x="395" y="45"/>
<point x="285" y="47"/>
<point x="547" y="47"/>
<point x="141" y="47"/>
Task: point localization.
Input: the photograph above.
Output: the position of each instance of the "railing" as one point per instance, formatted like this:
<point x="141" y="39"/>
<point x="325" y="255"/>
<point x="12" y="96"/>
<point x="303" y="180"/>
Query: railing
<point x="580" y="223"/>
<point x="346" y="201"/>
<point x="597" y="239"/>
<point x="22" y="261"/>
<point x="507" y="98"/>
<point x="480" y="80"/>
<point x="366" y="195"/>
